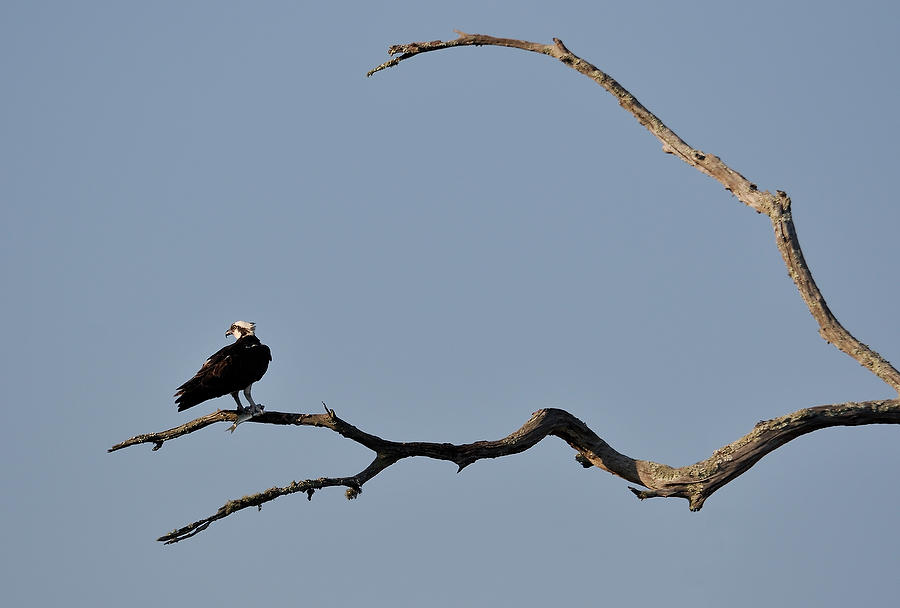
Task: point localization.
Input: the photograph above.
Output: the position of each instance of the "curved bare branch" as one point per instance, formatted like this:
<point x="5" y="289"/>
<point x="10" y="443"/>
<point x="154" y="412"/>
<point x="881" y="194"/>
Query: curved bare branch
<point x="777" y="206"/>
<point x="695" y="482"/>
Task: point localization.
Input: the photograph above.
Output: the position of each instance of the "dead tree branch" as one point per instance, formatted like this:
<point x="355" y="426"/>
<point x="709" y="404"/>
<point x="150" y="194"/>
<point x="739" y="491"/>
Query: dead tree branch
<point x="695" y="482"/>
<point x="777" y="206"/>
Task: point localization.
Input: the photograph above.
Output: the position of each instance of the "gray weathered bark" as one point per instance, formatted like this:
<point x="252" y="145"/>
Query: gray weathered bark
<point x="694" y="482"/>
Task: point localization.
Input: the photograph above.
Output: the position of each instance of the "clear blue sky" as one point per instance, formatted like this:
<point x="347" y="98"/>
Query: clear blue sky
<point x="437" y="252"/>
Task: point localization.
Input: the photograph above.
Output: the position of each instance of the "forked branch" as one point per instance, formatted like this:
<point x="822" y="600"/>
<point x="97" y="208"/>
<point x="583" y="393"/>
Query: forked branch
<point x="696" y="482"/>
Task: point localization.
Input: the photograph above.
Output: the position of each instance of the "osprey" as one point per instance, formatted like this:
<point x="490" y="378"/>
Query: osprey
<point x="230" y="370"/>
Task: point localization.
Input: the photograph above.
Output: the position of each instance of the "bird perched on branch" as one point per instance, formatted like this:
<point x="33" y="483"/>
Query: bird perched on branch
<point x="231" y="370"/>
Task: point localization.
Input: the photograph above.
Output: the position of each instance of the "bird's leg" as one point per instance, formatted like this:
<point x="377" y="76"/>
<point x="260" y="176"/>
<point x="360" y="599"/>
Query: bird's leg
<point x="242" y="413"/>
<point x="255" y="408"/>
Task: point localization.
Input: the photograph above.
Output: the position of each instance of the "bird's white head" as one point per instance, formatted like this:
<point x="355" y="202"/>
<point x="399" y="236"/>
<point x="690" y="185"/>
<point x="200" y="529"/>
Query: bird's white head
<point x="239" y="329"/>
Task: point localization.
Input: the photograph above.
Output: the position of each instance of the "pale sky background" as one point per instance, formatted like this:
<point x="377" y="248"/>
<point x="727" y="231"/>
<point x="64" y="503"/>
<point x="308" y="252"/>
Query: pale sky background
<point x="437" y="252"/>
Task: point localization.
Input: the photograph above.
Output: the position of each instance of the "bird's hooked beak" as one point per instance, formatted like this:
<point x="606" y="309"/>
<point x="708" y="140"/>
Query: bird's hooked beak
<point x="229" y="333"/>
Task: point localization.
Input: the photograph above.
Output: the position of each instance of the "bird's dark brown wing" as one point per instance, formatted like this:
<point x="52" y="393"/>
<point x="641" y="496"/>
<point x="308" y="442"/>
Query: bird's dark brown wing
<point x="209" y="382"/>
